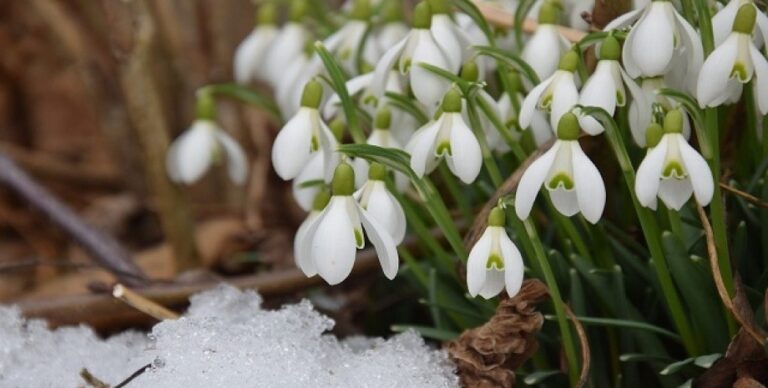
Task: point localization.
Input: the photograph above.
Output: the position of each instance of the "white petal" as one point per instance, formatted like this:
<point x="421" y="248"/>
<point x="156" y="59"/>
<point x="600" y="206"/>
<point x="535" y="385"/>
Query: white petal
<point x="590" y="188"/>
<point x="237" y="162"/>
<point x="422" y="147"/>
<point x="761" y="79"/>
<point x="541" y="129"/>
<point x="385" y="65"/>
<point x="653" y="44"/>
<point x="564" y="97"/>
<point x="543" y="50"/>
<point x="694" y="52"/>
<point x="354" y="86"/>
<point x="466" y="156"/>
<point x="385" y="209"/>
<point x="675" y="192"/>
<point x="250" y="54"/>
<point x="699" y="173"/>
<point x="313" y="171"/>
<point x="531" y="181"/>
<point x="565" y="201"/>
<point x="428" y="87"/>
<point x="599" y="91"/>
<point x="722" y="22"/>
<point x="292" y="147"/>
<point x="444" y="36"/>
<point x="531" y="101"/>
<point x="194" y="151"/>
<point x="494" y="283"/>
<point x="333" y="245"/>
<point x="382" y="241"/>
<point x="287" y="45"/>
<point x="303" y="260"/>
<point x="649" y="173"/>
<point x="328" y="144"/>
<point x="638" y="107"/>
<point x="476" y="264"/>
<point x="624" y="20"/>
<point x="513" y="265"/>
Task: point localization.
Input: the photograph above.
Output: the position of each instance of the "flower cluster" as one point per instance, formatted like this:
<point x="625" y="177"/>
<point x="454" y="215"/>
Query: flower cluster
<point x="437" y="68"/>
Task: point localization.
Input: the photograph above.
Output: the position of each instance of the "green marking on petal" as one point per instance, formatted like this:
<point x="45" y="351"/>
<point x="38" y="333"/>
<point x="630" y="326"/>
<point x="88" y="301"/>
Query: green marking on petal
<point x="546" y="101"/>
<point x="359" y="241"/>
<point x="740" y="72"/>
<point x="370" y="100"/>
<point x="314" y="144"/>
<point x="673" y="169"/>
<point x="620" y="100"/>
<point x="561" y="180"/>
<point x="407" y="65"/>
<point x="494" y="262"/>
<point x="443" y="148"/>
<point x="345" y="54"/>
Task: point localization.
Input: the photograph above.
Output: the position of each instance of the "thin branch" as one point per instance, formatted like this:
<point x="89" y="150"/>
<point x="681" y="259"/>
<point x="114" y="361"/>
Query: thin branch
<point x="586" y="358"/>
<point x="102" y="247"/>
<point x="743" y="194"/>
<point x="142" y="304"/>
<point x="134" y="375"/>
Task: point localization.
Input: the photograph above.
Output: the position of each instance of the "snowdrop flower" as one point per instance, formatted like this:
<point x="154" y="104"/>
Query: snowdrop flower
<point x="381" y="137"/>
<point x="202" y="145"/>
<point x="576" y="9"/>
<point x="494" y="262"/>
<point x="331" y="241"/>
<point x="251" y="53"/>
<point x="641" y="109"/>
<point x="722" y="23"/>
<point x="540" y="128"/>
<point x="453" y="41"/>
<point x="288" y="44"/>
<point x="573" y="182"/>
<point x="605" y="88"/>
<point x="471" y="72"/>
<point x="345" y="42"/>
<point x="734" y="63"/>
<point x="392" y="28"/>
<point x="303" y="135"/>
<point x="303" y="261"/>
<point x="557" y="94"/>
<point x="311" y="179"/>
<point x="447" y="137"/>
<point x="546" y="46"/>
<point x="382" y="206"/>
<point x="672" y="170"/>
<point x="660" y="39"/>
<point x="418" y="47"/>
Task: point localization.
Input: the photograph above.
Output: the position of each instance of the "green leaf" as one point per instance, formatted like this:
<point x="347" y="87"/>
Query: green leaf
<point x="688" y="103"/>
<point x="511" y="61"/>
<point x="244" y="94"/>
<point x="625" y="324"/>
<point x="676" y="366"/>
<point x="641" y="357"/>
<point x="428" y="332"/>
<point x="708" y="360"/>
<point x="311" y="183"/>
<point x="523" y="7"/>
<point x="393" y="158"/>
<point x="471" y="10"/>
<point x="463" y="84"/>
<point x="339" y="84"/>
<point x="407" y="105"/>
<point x="538" y="377"/>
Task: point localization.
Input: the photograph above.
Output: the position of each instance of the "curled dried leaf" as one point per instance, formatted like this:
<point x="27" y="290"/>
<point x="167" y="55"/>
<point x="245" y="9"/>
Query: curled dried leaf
<point x="488" y="355"/>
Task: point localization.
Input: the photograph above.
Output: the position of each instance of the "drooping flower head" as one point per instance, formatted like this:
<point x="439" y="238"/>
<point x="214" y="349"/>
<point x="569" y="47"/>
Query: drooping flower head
<point x="494" y="262"/>
<point x="311" y="179"/>
<point x="303" y="261"/>
<point x="250" y="55"/>
<point x="333" y="238"/>
<point x="734" y="63"/>
<point x="453" y="41"/>
<point x="380" y="136"/>
<point x="450" y="138"/>
<point x="546" y="46"/>
<point x="573" y="182"/>
<point x="382" y="206"/>
<point x="288" y="44"/>
<point x="346" y="42"/>
<point x="672" y="170"/>
<point x="557" y="94"/>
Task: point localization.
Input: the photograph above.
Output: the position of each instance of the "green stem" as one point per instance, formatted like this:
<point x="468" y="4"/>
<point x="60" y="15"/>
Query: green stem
<point x="569" y="345"/>
<point x="455" y="191"/>
<point x="488" y="161"/>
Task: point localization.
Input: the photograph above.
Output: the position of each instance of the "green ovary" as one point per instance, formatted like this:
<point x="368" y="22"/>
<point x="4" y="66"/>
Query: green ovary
<point x="494" y="262"/>
<point x="560" y="179"/>
<point x="443" y="148"/>
<point x="674" y="169"/>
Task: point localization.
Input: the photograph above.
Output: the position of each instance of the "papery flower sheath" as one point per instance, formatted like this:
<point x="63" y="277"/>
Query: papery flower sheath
<point x="606" y="89"/>
<point x="303" y="135"/>
<point x="572" y="180"/>
<point x="333" y="238"/>
<point x="201" y="146"/>
<point x="660" y="41"/>
<point x="494" y="261"/>
<point x="251" y="53"/>
<point x="447" y="137"/>
<point x="382" y="206"/>
<point x="407" y="56"/>
<point x="672" y="170"/>
<point x="557" y="94"/>
<point x="733" y="63"/>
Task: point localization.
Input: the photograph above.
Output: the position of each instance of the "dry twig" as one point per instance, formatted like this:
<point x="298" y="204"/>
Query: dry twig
<point x="142" y="304"/>
<point x="502" y="18"/>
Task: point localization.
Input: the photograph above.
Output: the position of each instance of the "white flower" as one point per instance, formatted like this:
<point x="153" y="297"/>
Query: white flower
<point x="605" y="87"/>
<point x="453" y="41"/>
<point x="659" y="40"/>
<point x="540" y="128"/>
<point x="251" y="53"/>
<point x="557" y="94"/>
<point x="333" y="238"/>
<point x="345" y="42"/>
<point x="381" y="204"/>
<point x="722" y="23"/>
<point x="735" y="62"/>
<point x="287" y="46"/>
<point x="303" y="260"/>
<point x="573" y="182"/>
<point x="303" y="135"/>
<point x="408" y="54"/>
<point x="306" y="185"/>
<point x="381" y="137"/>
<point x="672" y="170"/>
<point x="202" y="145"/>
<point x="641" y="109"/>
<point x="576" y="9"/>
<point x="546" y="46"/>
<point x="447" y="137"/>
<point x="494" y="262"/>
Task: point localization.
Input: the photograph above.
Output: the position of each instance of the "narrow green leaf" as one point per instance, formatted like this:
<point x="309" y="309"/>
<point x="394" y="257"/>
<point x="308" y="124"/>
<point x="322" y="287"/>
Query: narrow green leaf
<point x="511" y="61"/>
<point x="244" y="94"/>
<point x="407" y="105"/>
<point x="706" y="361"/>
<point x="523" y="7"/>
<point x="538" y="377"/>
<point x="624" y="323"/>
<point x="339" y="83"/>
<point x="676" y="366"/>
<point x="471" y="10"/>
<point x="641" y="357"/>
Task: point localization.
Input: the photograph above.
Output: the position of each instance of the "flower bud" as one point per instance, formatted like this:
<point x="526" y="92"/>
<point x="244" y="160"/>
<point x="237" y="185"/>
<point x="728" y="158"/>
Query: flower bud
<point x="497" y="217"/>
<point x="745" y="19"/>
<point x="568" y="127"/>
<point x="422" y="16"/>
<point x="321" y="200"/>
<point x="611" y="49"/>
<point x="377" y="172"/>
<point x="673" y="121"/>
<point x="206" y="106"/>
<point x="653" y="135"/>
<point x="337" y="127"/>
<point x="392" y="12"/>
<point x="452" y="101"/>
<point x="312" y="95"/>
<point x="470" y="71"/>
<point x="549" y="13"/>
<point x="569" y="61"/>
<point x="343" y="183"/>
<point x="383" y="118"/>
